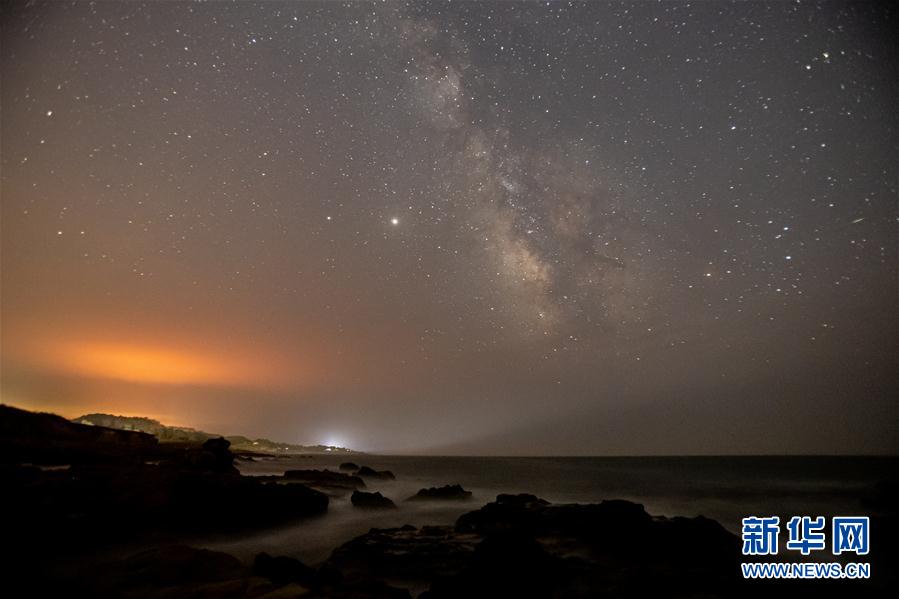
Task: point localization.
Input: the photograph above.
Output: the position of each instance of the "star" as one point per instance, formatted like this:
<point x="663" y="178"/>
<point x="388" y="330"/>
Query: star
<point x="567" y="173"/>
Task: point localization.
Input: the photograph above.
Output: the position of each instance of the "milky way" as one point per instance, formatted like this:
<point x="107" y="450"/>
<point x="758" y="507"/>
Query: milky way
<point x="565" y="228"/>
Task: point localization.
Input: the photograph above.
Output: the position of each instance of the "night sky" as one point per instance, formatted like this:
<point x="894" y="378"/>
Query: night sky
<point x="505" y="228"/>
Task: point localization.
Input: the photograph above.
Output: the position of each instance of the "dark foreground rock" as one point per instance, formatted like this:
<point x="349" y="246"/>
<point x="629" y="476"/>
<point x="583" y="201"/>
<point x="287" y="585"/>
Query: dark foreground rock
<point x="452" y="492"/>
<point x="37" y="438"/>
<point x="412" y="555"/>
<point x="172" y="571"/>
<point x="612" y="548"/>
<point x="367" y="472"/>
<point x="181" y="572"/>
<point x="213" y="455"/>
<point x="293" y="575"/>
<point x="284" y="570"/>
<point x="331" y="483"/>
<point x="94" y="501"/>
<point x="371" y="500"/>
<point x="119" y="485"/>
<point x="523" y="546"/>
<point x="349" y="466"/>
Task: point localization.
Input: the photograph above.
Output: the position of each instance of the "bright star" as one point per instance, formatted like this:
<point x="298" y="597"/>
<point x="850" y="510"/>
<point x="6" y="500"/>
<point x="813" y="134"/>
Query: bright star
<point x="394" y="221"/>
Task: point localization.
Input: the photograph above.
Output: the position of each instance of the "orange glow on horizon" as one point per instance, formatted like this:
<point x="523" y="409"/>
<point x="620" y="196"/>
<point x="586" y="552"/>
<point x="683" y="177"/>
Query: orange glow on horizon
<point x="148" y="364"/>
<point x="145" y="365"/>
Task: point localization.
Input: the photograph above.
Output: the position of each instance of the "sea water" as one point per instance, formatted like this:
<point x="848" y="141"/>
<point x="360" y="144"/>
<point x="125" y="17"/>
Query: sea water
<point x="726" y="489"/>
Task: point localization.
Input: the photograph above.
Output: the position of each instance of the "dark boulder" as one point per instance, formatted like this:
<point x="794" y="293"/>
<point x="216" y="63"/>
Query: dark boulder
<point x="325" y="479"/>
<point x="365" y="471"/>
<point x="523" y="546"/>
<point x="213" y="455"/>
<point x="283" y="570"/>
<point x="611" y="522"/>
<point x="178" y="564"/>
<point x="508" y="512"/>
<point x="504" y="565"/>
<point x="453" y="492"/>
<point x="180" y="572"/>
<point x="364" y="589"/>
<point x="169" y="571"/>
<point x="349" y="466"/>
<point x="96" y="503"/>
<point x="371" y="500"/>
<point x="406" y="553"/>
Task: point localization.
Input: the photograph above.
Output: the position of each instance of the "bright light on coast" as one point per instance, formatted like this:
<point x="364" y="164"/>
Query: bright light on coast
<point x="334" y="442"/>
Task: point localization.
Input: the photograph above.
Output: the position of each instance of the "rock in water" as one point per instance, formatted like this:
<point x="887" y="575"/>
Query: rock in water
<point x="212" y="456"/>
<point x="523" y="546"/>
<point x="454" y="492"/>
<point x="372" y="473"/>
<point x="349" y="466"/>
<point x="325" y="478"/>
<point x="371" y="500"/>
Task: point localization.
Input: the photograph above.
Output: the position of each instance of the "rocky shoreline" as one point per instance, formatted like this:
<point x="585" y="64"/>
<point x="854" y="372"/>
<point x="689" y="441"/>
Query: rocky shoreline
<point x="104" y="513"/>
<point x="516" y="546"/>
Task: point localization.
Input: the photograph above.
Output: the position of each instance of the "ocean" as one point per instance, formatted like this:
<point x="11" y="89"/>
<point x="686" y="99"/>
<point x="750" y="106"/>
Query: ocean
<point x="725" y="489"/>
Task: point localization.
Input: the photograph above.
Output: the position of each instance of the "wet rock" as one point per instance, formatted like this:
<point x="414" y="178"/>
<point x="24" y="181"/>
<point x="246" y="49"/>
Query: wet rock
<point x="367" y="472"/>
<point x="179" y="564"/>
<point x="180" y="572"/>
<point x="349" y="466"/>
<point x="283" y="570"/>
<point x="364" y="589"/>
<point x="406" y="554"/>
<point x="171" y="571"/>
<point x="523" y="546"/>
<point x="371" y="500"/>
<point x="452" y="492"/>
<point x="503" y="565"/>
<point x="333" y="483"/>
<point x="325" y="478"/>
<point x="212" y="456"/>
<point x="508" y="512"/>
